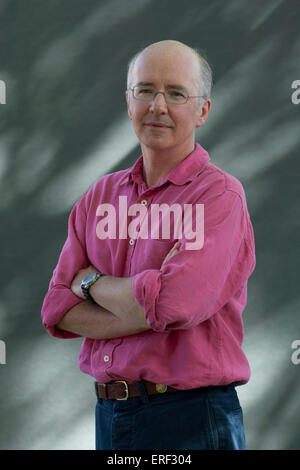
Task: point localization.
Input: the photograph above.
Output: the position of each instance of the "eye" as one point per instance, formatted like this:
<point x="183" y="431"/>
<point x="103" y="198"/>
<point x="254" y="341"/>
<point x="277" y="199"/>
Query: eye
<point x="144" y="90"/>
<point x="176" y="94"/>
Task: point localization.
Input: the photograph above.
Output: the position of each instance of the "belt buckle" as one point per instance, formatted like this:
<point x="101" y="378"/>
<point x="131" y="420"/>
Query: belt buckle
<point x="126" y="389"/>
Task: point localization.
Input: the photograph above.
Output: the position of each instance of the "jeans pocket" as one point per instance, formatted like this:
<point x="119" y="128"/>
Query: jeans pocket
<point x="229" y="426"/>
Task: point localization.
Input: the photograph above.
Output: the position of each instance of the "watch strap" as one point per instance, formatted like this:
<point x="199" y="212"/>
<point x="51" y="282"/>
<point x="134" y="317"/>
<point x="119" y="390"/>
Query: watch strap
<point x="85" y="290"/>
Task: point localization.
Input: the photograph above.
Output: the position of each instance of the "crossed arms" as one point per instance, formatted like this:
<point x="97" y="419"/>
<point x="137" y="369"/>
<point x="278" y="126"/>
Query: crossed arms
<point x="187" y="290"/>
<point x="116" y="313"/>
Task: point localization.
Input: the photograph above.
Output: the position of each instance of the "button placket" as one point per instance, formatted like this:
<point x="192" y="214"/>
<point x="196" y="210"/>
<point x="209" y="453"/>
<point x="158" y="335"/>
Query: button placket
<point x="144" y="202"/>
<point x="108" y="357"/>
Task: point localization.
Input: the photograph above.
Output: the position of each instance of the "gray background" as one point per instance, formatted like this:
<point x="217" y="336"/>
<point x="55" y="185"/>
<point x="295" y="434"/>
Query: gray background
<point x="65" y="124"/>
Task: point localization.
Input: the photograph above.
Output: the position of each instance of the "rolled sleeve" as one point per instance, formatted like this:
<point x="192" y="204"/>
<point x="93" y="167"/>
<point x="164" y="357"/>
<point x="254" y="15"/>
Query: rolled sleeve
<point x="146" y="288"/>
<point x="58" y="301"/>
<point x="194" y="284"/>
<point x="59" y="298"/>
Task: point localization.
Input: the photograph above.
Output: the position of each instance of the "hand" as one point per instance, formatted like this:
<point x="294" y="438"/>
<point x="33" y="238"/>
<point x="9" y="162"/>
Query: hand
<point x="76" y="283"/>
<point x="172" y="252"/>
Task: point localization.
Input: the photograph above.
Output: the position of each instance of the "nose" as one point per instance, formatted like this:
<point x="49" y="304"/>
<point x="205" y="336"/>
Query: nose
<point x="158" y="104"/>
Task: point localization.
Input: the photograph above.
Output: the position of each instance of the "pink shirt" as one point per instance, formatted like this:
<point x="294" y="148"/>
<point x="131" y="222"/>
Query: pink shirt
<point x="193" y="303"/>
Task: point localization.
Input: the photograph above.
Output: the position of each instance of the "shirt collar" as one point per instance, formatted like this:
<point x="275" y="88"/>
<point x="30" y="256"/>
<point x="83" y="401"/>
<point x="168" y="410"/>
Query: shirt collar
<point x="184" y="172"/>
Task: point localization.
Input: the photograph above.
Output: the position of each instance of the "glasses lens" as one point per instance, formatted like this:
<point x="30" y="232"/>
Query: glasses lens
<point x="143" y="93"/>
<point x="172" y="96"/>
<point x="176" y="97"/>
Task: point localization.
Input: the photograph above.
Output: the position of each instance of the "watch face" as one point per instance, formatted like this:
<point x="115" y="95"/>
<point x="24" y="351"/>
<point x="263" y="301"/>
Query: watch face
<point x="88" y="280"/>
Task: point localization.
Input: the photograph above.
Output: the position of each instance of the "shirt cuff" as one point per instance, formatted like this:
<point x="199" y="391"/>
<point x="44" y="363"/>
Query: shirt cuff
<point x="145" y="287"/>
<point x="58" y="301"/>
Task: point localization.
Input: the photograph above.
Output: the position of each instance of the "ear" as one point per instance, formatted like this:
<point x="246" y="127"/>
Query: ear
<point x="128" y="105"/>
<point x="204" y="113"/>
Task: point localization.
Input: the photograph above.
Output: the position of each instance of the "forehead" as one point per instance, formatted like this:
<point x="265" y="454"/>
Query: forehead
<point x="166" y="67"/>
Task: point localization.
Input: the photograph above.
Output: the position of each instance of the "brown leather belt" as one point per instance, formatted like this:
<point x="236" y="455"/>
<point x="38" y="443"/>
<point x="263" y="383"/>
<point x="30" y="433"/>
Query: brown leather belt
<point x="121" y="390"/>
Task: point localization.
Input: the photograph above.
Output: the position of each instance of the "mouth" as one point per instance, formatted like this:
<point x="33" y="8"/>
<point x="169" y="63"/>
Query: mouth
<point x="159" y="125"/>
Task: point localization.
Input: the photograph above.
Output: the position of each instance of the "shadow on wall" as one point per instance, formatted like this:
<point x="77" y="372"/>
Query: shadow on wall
<point x="65" y="124"/>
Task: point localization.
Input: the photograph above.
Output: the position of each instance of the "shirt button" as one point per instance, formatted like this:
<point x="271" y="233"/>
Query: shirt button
<point x="131" y="241"/>
<point x="106" y="358"/>
<point x="144" y="202"/>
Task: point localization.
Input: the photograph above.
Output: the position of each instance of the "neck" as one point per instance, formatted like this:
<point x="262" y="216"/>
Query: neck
<point x="158" y="163"/>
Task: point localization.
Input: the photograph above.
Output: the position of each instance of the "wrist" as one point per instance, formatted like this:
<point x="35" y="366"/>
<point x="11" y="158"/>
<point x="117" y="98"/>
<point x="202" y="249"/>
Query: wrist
<point x="87" y="283"/>
<point x="95" y="290"/>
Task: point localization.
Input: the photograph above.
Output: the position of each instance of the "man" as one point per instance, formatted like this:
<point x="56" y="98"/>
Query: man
<point x="161" y="317"/>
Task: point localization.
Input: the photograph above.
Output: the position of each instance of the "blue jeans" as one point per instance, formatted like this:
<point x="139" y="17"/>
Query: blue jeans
<point x="201" y="419"/>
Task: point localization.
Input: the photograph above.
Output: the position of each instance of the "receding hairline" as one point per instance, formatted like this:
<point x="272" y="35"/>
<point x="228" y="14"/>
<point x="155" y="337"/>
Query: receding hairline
<point x="203" y="66"/>
<point x="167" y="43"/>
<point x="170" y="45"/>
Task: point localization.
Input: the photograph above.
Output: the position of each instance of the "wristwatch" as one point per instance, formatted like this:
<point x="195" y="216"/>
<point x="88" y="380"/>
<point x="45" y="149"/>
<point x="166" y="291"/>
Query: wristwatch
<point x="87" y="282"/>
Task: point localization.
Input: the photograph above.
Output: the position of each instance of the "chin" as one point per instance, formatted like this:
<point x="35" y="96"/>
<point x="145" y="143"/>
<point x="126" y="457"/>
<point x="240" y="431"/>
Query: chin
<point x="156" y="144"/>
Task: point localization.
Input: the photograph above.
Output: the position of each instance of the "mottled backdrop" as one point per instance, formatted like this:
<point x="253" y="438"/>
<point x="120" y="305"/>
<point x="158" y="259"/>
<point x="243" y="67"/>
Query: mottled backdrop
<point x="63" y="124"/>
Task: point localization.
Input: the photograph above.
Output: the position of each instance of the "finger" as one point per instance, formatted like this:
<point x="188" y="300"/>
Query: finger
<point x="174" y="249"/>
<point x="172" y="252"/>
<point x="166" y="258"/>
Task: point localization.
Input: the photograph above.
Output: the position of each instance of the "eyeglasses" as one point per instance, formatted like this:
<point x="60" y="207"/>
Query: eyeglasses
<point x="172" y="95"/>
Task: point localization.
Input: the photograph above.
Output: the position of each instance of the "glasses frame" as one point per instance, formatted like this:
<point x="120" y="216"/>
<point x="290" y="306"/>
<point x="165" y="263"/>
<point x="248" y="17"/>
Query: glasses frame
<point x="164" y="95"/>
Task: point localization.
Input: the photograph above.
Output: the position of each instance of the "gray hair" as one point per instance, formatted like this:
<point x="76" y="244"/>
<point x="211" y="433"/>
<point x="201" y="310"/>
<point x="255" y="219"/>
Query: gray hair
<point x="204" y="81"/>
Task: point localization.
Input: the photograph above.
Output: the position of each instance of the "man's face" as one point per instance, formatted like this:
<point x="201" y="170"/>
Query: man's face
<point x="161" y="69"/>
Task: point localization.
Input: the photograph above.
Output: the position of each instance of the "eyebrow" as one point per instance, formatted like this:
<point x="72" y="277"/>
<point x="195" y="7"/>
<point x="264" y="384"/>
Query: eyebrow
<point x="169" y="85"/>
